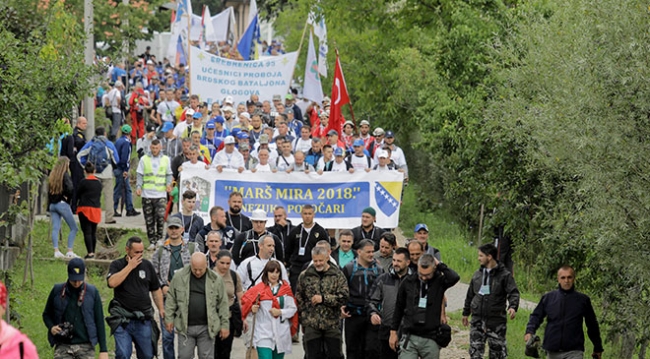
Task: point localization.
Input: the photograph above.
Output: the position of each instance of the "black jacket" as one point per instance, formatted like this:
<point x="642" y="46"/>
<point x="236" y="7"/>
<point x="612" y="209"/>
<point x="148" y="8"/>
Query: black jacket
<point x="408" y="297"/>
<point x="298" y="237"/>
<point x="89" y="193"/>
<point x="565" y="311"/>
<point x="491" y="308"/>
<point x="359" y="235"/>
<point x="383" y="296"/>
<point x="247" y="245"/>
<point x="281" y="232"/>
<point x="66" y="194"/>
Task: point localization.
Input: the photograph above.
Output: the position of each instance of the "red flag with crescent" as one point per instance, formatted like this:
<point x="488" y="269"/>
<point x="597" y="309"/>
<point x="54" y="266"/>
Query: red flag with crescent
<point x="339" y="98"/>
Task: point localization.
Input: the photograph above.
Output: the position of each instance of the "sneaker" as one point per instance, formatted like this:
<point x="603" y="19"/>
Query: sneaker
<point x="132" y="213"/>
<point x="118" y="214"/>
<point x="111" y="222"/>
<point x="58" y="254"/>
<point x="152" y="247"/>
<point x="89" y="256"/>
<point x="71" y="255"/>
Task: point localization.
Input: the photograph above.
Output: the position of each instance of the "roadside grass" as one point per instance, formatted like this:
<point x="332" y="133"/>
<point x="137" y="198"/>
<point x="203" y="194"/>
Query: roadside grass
<point x="28" y="301"/>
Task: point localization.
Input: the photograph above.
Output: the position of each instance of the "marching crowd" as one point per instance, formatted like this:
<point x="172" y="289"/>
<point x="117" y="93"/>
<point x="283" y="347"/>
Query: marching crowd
<point x="272" y="285"/>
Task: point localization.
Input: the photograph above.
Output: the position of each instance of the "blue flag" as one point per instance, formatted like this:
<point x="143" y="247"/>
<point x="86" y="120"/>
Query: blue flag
<point x="181" y="58"/>
<point x="246" y="46"/>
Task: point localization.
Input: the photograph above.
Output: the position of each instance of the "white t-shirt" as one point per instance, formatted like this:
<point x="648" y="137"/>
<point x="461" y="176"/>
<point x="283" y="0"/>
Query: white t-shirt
<point x="359" y="163"/>
<point x="283" y="163"/>
<point x="302" y="145"/>
<point x="189" y="164"/>
<point x="321" y="164"/>
<point x="180" y="129"/>
<point x="339" y="167"/>
<point x="263" y="168"/>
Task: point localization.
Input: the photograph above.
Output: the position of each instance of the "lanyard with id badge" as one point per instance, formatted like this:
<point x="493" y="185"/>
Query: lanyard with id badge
<point x="186" y="234"/>
<point x="485" y="286"/>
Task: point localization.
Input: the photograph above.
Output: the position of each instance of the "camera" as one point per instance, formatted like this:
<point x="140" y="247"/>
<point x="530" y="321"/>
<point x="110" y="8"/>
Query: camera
<point x="66" y="330"/>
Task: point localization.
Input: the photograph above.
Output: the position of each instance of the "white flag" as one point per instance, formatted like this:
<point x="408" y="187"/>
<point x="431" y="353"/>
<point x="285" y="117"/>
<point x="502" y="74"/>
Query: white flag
<point x="312" y="89"/>
<point x="180" y="27"/>
<point x="320" y="30"/>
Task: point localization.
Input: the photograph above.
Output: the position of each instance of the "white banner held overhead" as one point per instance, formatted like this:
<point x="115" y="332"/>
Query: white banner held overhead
<point x="214" y="77"/>
<point x="338" y="197"/>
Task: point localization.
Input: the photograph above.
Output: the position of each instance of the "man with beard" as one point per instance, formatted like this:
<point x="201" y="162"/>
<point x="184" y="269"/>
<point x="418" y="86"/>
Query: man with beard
<point x="383" y="295"/>
<point x="302" y="239"/>
<point x="281" y="226"/>
<point x="234" y="217"/>
<point x="247" y="243"/>
<point x="364" y="129"/>
<point x="321" y="291"/>
<point x="367" y="229"/>
<point x="257" y="130"/>
<point x="361" y="336"/>
<point x="384" y="256"/>
<point x="218" y="224"/>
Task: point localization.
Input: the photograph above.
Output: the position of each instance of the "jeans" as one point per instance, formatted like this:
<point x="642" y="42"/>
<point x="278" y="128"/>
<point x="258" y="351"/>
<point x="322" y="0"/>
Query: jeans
<point x="58" y="211"/>
<point x="122" y="189"/>
<point x="116" y="122"/>
<point x="167" y="341"/>
<point x="138" y="332"/>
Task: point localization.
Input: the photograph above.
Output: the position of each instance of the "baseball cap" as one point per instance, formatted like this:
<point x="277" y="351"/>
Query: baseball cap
<point x="229" y="140"/>
<point x="332" y="133"/>
<point x="210" y="124"/>
<point x="390" y="134"/>
<point x="245" y="114"/>
<point x="289" y="97"/>
<point x="244" y="147"/>
<point x="197" y="115"/>
<point x="219" y="119"/>
<point x="264" y="139"/>
<point x="167" y="126"/>
<point x="338" y="151"/>
<point x="383" y="154"/>
<point x="126" y="129"/>
<point x="228" y="100"/>
<point x="277" y="98"/>
<point x="189" y="113"/>
<point x="258" y="215"/>
<point x="358" y="142"/>
<point x="76" y="269"/>
<point x="242" y="135"/>
<point x="364" y="122"/>
<point x="227" y="108"/>
<point x="348" y="122"/>
<point x="326" y="99"/>
<point x="378" y="131"/>
<point x="151" y="128"/>
<point x="421" y="226"/>
<point x="250" y="103"/>
<point x="174" y="222"/>
<point x="235" y="131"/>
<point x="288" y="111"/>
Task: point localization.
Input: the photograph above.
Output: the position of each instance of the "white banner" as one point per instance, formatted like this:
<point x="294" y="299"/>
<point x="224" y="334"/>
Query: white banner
<point x="338" y="197"/>
<point x="213" y="77"/>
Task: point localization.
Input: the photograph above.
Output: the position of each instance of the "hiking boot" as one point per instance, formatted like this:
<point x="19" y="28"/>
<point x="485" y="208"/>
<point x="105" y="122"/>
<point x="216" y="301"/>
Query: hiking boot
<point x="132" y="213"/>
<point x="118" y="214"/>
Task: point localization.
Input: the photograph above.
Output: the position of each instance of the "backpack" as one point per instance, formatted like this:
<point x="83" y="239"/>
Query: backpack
<point x="98" y="155"/>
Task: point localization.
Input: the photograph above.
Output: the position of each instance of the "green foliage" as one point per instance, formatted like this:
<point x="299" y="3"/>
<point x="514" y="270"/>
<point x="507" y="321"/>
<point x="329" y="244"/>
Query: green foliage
<point x="41" y="80"/>
<point x="116" y="22"/>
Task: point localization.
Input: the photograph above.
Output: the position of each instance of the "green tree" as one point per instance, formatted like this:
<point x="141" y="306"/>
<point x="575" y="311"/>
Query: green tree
<point x="41" y="80"/>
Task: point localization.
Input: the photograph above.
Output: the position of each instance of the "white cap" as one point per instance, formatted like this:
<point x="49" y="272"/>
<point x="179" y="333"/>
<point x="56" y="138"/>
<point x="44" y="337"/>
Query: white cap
<point x="189" y="113"/>
<point x="228" y="100"/>
<point x="245" y="114"/>
<point x="229" y="140"/>
<point x="258" y="215"/>
<point x="364" y="122"/>
<point x="227" y="108"/>
<point x="383" y="154"/>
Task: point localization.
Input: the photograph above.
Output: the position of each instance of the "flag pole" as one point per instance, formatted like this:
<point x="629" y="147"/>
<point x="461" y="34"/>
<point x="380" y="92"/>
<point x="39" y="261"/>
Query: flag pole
<point x="354" y="121"/>
<point x="188" y="78"/>
<point x="304" y="30"/>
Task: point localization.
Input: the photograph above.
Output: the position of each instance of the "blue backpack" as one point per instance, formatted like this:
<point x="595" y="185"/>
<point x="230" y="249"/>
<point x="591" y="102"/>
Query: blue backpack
<point x="98" y="155"/>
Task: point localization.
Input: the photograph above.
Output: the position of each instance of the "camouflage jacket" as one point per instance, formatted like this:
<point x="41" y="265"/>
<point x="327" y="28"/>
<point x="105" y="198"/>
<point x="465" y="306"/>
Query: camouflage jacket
<point x="332" y="286"/>
<point x="162" y="259"/>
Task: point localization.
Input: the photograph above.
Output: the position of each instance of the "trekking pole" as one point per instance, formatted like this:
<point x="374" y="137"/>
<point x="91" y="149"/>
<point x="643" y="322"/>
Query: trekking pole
<point x="123" y="193"/>
<point x="249" y="351"/>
